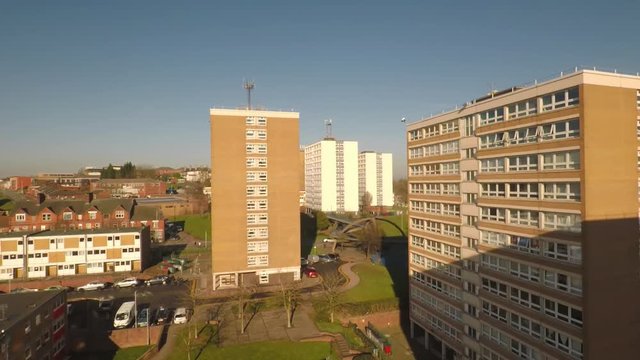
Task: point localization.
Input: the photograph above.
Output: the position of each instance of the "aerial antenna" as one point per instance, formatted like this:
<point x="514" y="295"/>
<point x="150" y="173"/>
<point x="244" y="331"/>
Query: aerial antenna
<point x="249" y="85"/>
<point x="327" y="127"/>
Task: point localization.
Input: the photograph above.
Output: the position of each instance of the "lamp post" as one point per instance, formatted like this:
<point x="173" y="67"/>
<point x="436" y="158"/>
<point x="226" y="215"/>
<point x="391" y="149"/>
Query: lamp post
<point x="135" y="308"/>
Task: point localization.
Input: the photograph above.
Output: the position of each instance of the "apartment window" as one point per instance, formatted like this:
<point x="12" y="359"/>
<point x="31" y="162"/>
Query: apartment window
<point x="429" y="169"/>
<point x="449" y="127"/>
<point x="470" y="175"/>
<point x="120" y="214"/>
<point x="432" y="130"/>
<point x="432" y="150"/>
<point x="563" y="312"/>
<point x="569" y="160"/>
<point x="416" y="152"/>
<point x="563" y="282"/>
<point x="493" y="214"/>
<point x="525" y="271"/>
<point x="494" y="238"/>
<point x="470" y="153"/>
<point x="492" y="116"/>
<point x="495" y="263"/>
<point x="415" y="134"/>
<point x="524" y="244"/>
<point x="494" y="287"/>
<point x="492" y="165"/>
<point x="450" y="189"/>
<point x="563" y="342"/>
<point x="451" y="209"/>
<point x="469" y="126"/>
<point x="256" y="134"/>
<point x="566" y="222"/>
<point x="562" y="191"/>
<point x="493" y="190"/>
<point x="21" y="217"/>
<point x="523" y="163"/>
<point x="46" y="217"/>
<point x="526" y="298"/>
<point x="256" y="162"/>
<point x="495" y="311"/>
<point x="561" y="130"/>
<point x="523" y="136"/>
<point x="431" y="189"/>
<point x="67" y="216"/>
<point x="523" y="108"/>
<point x="453" y="231"/>
<point x="560" y="99"/>
<point x="562" y="251"/>
<point x="450" y="147"/>
<point x="254" y="190"/>
<point x="493" y="140"/>
<point x="449" y="168"/>
<point x="257" y="246"/>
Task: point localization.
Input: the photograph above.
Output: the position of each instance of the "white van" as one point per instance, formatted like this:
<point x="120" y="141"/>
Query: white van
<point x="125" y="314"/>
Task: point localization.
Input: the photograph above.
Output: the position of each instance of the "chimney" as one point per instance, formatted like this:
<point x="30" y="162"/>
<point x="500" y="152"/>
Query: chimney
<point x="41" y="198"/>
<point x="89" y="197"/>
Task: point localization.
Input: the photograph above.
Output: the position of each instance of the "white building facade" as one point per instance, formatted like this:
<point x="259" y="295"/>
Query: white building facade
<point x="331" y="176"/>
<point x="376" y="177"/>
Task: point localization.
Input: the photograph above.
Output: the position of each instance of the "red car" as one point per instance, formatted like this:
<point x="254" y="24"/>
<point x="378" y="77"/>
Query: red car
<point x="311" y="272"/>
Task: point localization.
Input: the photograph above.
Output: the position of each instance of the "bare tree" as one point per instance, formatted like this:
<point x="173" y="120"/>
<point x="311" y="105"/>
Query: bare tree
<point x="365" y="202"/>
<point x="242" y="298"/>
<point x="331" y="292"/>
<point x="371" y="237"/>
<point x="290" y="291"/>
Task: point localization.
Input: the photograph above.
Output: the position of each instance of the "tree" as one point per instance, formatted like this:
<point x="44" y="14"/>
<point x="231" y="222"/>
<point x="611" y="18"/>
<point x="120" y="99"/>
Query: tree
<point x="322" y="221"/>
<point x="290" y="291"/>
<point x="128" y="171"/>
<point x="108" y="173"/>
<point x="371" y="237"/>
<point x="400" y="191"/>
<point x="365" y="202"/>
<point x="331" y="292"/>
<point x="242" y="298"/>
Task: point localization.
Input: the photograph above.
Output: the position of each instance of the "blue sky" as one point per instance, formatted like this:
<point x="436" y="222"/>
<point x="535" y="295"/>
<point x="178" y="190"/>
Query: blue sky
<point x="91" y="82"/>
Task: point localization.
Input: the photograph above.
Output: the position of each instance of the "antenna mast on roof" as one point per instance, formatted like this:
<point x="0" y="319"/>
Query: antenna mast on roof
<point x="249" y="85"/>
<point x="327" y="127"/>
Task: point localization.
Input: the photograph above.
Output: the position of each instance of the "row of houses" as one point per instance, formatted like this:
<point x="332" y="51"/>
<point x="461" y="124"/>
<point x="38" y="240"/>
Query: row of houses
<point x="87" y="214"/>
<point x="52" y="253"/>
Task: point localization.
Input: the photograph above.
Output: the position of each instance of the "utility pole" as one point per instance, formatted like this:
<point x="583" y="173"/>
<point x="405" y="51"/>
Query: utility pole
<point x="249" y="85"/>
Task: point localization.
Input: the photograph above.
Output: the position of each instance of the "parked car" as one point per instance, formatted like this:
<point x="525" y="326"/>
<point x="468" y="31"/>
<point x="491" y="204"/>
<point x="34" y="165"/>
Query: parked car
<point x="94" y="285"/>
<point x="162" y="316"/>
<point x="327" y="258"/>
<point x="310" y="272"/>
<point x="180" y="316"/>
<point x="124" y="315"/>
<point x="22" y="290"/>
<point x="105" y="305"/>
<point x="143" y="318"/>
<point x="128" y="282"/>
<point x="157" y="280"/>
<point x="59" y="287"/>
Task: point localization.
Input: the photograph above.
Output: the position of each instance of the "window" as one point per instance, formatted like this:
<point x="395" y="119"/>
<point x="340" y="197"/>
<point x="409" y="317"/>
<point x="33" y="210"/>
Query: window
<point x="562" y="191"/>
<point x="562" y="251"/>
<point x="494" y="311"/>
<point x="492" y="165"/>
<point x="453" y="231"/>
<point x="494" y="238"/>
<point x="493" y="190"/>
<point x="257" y="190"/>
<point x="561" y="130"/>
<point x="494" y="287"/>
<point x="560" y="99"/>
<point x="524" y="244"/>
<point x="449" y="127"/>
<point x="451" y="209"/>
<point x="257" y="246"/>
<point x="523" y="163"/>
<point x="525" y="271"/>
<point x="523" y="136"/>
<point x="256" y="148"/>
<point x="120" y="214"/>
<point x="523" y="217"/>
<point x="449" y="147"/>
<point x="449" y="168"/>
<point x="21" y="217"/>
<point x="523" y="108"/>
<point x="469" y="126"/>
<point x="493" y="214"/>
<point x="256" y="162"/>
<point x="563" y="342"/>
<point x="492" y="116"/>
<point x="46" y="217"/>
<point x="567" y="283"/>
<point x="67" y="216"/>
<point x="450" y="189"/>
<point x="561" y="160"/>
<point x="563" y="312"/>
<point x="566" y="222"/>
<point x="92" y="215"/>
<point x="526" y="298"/>
<point x="256" y="134"/>
<point x="492" y="140"/>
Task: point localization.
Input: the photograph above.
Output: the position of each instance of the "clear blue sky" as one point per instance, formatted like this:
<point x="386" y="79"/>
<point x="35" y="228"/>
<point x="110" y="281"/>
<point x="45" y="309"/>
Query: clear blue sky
<point x="92" y="82"/>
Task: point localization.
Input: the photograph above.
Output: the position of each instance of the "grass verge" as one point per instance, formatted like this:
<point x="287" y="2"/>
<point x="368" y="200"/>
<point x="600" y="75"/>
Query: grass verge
<point x="132" y="353"/>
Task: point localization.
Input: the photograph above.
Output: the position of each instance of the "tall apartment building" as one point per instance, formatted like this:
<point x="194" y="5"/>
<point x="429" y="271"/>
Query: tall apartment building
<point x="331" y="176"/>
<point x="375" y="172"/>
<point x="524" y="223"/>
<point x="255" y="213"/>
<point x="34" y="325"/>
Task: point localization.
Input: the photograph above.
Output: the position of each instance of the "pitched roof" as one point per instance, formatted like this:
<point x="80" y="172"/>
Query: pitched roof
<point x="78" y="206"/>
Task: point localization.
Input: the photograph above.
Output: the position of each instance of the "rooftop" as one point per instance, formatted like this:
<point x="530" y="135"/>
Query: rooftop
<point x="20" y="305"/>
<point x="88" y="232"/>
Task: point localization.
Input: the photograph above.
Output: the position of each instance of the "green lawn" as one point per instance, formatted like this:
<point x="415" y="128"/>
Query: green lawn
<point x="390" y="230"/>
<point x="285" y="350"/>
<point x="132" y="353"/>
<point x="198" y="226"/>
<point x="375" y="284"/>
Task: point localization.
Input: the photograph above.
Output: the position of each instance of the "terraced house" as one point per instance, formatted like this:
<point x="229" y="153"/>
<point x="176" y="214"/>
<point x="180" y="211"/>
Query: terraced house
<point x="523" y="239"/>
<point x="71" y="252"/>
<point x="85" y="214"/>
